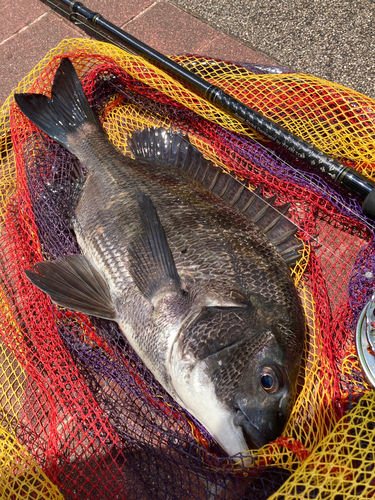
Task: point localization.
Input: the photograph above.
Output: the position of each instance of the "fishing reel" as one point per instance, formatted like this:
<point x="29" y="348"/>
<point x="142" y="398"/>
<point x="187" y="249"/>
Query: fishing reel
<point x="365" y="340"/>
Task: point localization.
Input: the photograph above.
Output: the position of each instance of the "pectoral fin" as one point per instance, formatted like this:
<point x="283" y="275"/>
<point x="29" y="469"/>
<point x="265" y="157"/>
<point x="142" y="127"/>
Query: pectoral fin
<point x="74" y="282"/>
<point x="151" y="263"/>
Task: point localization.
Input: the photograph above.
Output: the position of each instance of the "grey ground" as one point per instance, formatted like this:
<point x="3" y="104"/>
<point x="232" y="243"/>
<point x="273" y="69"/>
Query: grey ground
<point x="333" y="39"/>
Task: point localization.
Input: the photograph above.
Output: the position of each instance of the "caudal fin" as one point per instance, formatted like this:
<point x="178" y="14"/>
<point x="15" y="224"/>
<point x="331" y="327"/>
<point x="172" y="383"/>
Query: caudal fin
<point x="65" y="112"/>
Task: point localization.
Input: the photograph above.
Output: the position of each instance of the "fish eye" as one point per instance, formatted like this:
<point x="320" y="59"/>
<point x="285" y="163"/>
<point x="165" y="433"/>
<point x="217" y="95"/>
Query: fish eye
<point x="270" y="380"/>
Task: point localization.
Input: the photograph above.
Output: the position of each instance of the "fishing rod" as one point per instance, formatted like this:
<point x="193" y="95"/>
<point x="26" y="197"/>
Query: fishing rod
<point x="341" y="174"/>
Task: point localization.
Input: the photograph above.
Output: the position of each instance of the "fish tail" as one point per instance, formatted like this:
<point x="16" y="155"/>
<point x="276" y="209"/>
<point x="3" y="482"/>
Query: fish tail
<point x="66" y="111"/>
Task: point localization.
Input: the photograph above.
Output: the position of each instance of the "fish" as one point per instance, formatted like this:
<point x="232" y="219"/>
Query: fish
<point x="191" y="264"/>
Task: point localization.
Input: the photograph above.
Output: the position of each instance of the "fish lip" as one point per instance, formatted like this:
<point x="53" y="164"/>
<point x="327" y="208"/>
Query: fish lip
<point x="252" y="433"/>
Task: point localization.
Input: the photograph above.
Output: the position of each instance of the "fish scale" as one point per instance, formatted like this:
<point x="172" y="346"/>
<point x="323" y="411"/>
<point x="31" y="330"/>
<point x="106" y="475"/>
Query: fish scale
<point x="179" y="254"/>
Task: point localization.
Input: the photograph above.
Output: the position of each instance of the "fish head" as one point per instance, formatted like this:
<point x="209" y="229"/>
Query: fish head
<point x="241" y="377"/>
<point x="264" y="395"/>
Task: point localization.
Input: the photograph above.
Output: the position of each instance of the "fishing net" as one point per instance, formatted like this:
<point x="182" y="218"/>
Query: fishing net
<point x="80" y="415"/>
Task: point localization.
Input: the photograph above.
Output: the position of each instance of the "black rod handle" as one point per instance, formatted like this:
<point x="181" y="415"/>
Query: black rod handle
<point x="340" y="173"/>
<point x="348" y="177"/>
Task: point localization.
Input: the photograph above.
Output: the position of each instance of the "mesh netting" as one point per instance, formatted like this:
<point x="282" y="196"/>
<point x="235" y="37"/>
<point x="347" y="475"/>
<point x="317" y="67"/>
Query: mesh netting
<point x="80" y="415"/>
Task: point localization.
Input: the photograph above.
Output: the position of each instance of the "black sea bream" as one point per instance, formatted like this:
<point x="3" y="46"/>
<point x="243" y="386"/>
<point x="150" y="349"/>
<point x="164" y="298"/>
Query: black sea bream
<point x="169" y="253"/>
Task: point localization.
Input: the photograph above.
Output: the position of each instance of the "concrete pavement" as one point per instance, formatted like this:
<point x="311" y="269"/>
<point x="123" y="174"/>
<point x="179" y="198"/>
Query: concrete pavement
<point x="31" y="28"/>
<point x="333" y="39"/>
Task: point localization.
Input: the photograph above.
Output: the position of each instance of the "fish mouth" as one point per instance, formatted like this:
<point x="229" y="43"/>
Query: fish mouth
<point x="253" y="436"/>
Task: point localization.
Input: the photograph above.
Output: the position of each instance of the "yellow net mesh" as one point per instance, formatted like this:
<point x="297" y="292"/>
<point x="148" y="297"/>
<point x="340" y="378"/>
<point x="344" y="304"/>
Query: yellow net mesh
<point x="21" y="476"/>
<point x="329" y="441"/>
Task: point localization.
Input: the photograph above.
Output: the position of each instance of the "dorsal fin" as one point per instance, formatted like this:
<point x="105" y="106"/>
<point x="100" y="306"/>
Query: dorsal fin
<point x="172" y="148"/>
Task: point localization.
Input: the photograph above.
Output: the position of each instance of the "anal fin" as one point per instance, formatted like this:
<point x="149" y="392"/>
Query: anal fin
<point x="75" y="283"/>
